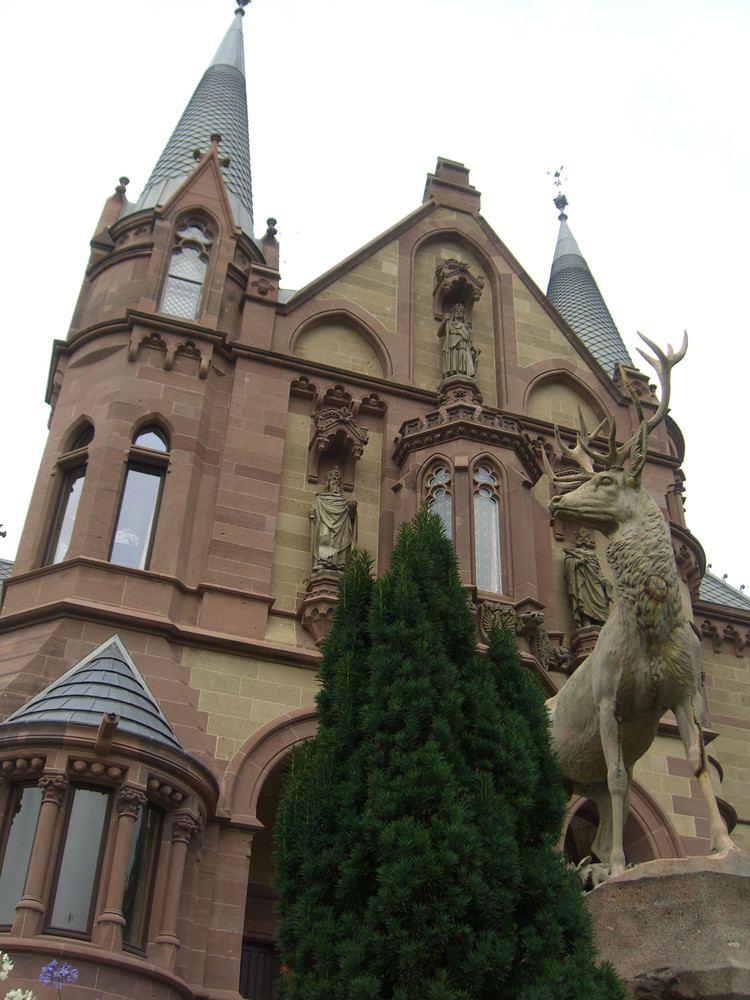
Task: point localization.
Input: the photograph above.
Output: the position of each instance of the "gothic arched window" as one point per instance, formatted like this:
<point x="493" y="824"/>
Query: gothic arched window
<point x="439" y="501"/>
<point x="73" y="465"/>
<point x="187" y="271"/>
<point x="487" y="563"/>
<point x="139" y="506"/>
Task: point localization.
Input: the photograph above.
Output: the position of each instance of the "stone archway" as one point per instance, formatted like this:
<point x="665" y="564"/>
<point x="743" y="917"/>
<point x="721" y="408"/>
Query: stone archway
<point x="648" y="832"/>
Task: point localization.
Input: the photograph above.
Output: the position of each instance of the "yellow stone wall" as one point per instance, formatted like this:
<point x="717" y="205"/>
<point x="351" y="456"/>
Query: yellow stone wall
<point x="558" y="403"/>
<point x="340" y="346"/>
<point x="537" y="337"/>
<point x="372" y="284"/>
<point x="241" y="694"/>
<point x="427" y="346"/>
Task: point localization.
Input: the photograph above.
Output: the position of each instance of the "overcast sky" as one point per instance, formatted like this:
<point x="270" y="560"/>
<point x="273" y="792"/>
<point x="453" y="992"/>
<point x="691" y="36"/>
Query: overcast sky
<point x="644" y="104"/>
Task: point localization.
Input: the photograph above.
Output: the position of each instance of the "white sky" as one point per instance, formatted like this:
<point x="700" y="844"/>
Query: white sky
<point x="645" y="105"/>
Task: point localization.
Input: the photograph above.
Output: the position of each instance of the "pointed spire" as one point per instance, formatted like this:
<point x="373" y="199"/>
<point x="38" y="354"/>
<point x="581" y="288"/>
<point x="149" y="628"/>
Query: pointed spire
<point x="576" y="296"/>
<point x="219" y="105"/>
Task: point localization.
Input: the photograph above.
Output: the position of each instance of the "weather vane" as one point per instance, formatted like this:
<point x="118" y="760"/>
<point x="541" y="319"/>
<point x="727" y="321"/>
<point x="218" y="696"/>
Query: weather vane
<point x="560" y="201"/>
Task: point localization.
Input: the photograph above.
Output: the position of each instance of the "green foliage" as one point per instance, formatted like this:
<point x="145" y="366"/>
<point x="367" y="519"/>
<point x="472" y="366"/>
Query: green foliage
<point x="415" y="839"/>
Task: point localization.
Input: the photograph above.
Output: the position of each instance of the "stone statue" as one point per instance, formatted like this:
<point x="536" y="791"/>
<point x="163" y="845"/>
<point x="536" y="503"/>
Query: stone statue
<point x="590" y="594"/>
<point x="459" y="353"/>
<point x="334" y="526"/>
<point x="647" y="659"/>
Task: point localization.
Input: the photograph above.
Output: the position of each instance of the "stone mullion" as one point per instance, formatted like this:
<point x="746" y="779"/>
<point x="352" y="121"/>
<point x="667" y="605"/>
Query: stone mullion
<point x="184" y="826"/>
<point x="110" y="923"/>
<point x="31" y="907"/>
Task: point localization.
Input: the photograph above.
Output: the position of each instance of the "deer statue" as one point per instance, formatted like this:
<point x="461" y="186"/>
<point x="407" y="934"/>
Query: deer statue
<point x="647" y="657"/>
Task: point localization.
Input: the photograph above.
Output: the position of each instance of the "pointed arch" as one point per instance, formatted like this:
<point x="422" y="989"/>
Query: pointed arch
<point x="347" y="319"/>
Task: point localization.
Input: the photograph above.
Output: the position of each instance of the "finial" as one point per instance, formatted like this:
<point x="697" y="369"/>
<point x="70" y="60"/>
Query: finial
<point x="560" y="201"/>
<point x="215" y="137"/>
<point x="242" y="4"/>
<point x="120" y="189"/>
<point x="272" y="230"/>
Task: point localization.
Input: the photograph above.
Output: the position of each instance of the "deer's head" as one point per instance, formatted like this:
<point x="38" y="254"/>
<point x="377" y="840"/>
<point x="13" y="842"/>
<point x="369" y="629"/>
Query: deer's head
<point x="607" y="498"/>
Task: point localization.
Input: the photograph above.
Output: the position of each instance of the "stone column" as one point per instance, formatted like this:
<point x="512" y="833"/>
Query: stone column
<point x="31" y="906"/>
<point x="184" y="826"/>
<point x="110" y="923"/>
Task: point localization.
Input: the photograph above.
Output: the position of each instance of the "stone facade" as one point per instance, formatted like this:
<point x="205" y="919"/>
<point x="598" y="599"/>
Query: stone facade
<point x="256" y="399"/>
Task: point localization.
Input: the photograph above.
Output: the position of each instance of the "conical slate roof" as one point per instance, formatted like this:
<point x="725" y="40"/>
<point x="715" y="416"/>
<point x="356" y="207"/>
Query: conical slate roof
<point x="576" y="296"/>
<point x="107" y="680"/>
<point x="219" y="104"/>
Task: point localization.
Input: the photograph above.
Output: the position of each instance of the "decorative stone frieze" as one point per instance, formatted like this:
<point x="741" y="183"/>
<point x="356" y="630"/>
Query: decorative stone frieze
<point x="171" y="346"/>
<point x="95" y="769"/>
<point x="689" y="559"/>
<point x="472" y="423"/>
<point x="165" y="794"/>
<point x="14" y="767"/>
<point x="718" y="634"/>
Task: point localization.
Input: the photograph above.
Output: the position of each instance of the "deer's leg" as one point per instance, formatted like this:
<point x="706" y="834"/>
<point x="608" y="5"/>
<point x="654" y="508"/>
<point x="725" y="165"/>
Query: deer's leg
<point x="617" y="780"/>
<point x="691" y="733"/>
<point x="602" y="845"/>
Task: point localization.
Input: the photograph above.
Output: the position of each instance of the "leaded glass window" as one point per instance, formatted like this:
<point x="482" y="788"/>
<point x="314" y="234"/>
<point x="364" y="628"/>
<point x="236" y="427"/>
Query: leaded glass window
<point x="187" y="271"/>
<point x="439" y="498"/>
<point x="487" y="531"/>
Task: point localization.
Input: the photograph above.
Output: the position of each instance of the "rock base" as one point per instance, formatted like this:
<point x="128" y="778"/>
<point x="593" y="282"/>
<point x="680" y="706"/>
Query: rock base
<point x="678" y="929"/>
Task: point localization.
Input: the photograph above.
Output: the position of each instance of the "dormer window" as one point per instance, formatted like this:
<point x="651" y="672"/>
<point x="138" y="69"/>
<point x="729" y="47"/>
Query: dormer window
<point x="187" y="271"/>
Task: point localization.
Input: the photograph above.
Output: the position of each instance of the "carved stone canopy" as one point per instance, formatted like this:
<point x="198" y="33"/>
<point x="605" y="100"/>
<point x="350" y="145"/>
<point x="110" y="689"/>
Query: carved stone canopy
<point x="454" y="284"/>
<point x="337" y="439"/>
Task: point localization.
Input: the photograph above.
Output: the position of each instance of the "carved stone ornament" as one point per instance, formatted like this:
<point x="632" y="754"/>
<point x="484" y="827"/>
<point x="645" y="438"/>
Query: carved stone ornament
<point x="454" y="283"/>
<point x="184" y="827"/>
<point x="316" y="609"/>
<point x="130" y="801"/>
<point x="95" y="769"/>
<point x="171" y="346"/>
<point x="336" y="435"/>
<point x="549" y="655"/>
<point x="54" y="787"/>
<point x="165" y="793"/>
<point x="494" y="611"/>
<point x="15" y="766"/>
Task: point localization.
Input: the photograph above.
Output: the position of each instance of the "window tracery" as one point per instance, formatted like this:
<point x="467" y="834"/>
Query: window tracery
<point x="439" y="497"/>
<point x="187" y="270"/>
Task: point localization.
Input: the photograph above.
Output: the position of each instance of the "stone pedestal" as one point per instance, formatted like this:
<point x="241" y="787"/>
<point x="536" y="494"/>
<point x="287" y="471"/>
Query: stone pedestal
<point x="678" y="929"/>
<point x="582" y="642"/>
<point x="316" y="609"/>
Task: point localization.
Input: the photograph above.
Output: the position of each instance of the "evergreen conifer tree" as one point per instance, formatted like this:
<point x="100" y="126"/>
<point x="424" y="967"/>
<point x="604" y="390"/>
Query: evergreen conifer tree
<point x="415" y="839"/>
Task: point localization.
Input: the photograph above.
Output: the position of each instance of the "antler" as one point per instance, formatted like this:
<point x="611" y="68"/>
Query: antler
<point x="662" y="365"/>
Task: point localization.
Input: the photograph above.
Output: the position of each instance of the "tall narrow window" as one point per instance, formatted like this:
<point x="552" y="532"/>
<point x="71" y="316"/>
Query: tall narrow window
<point x="23" y="812"/>
<point x="77" y="876"/>
<point x="74" y="464"/>
<point x="439" y="498"/>
<point x="139" y="507"/>
<point x="487" y="531"/>
<point x="140" y="876"/>
<point x="187" y="270"/>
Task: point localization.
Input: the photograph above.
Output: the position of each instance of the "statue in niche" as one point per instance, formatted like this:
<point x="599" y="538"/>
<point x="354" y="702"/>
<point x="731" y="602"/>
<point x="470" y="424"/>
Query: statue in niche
<point x="590" y="594"/>
<point x="459" y="354"/>
<point x="334" y="526"/>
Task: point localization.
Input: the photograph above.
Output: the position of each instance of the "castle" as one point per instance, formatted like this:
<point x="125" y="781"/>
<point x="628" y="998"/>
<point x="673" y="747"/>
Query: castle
<point x="159" y="632"/>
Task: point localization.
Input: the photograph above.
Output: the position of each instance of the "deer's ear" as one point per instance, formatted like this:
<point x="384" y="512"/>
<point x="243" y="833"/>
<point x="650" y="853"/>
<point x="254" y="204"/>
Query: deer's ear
<point x="637" y="454"/>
